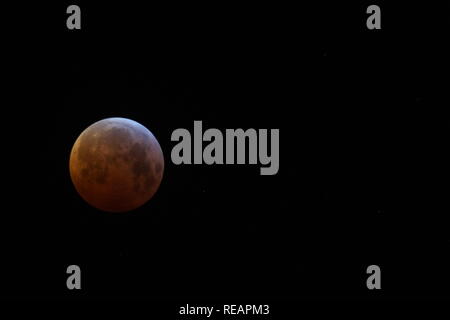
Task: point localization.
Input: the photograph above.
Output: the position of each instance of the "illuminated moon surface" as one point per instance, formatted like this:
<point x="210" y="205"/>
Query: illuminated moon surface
<point x="116" y="165"/>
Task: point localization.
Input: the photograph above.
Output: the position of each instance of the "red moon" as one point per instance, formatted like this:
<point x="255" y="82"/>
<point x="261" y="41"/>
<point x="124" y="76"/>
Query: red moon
<point x="116" y="165"/>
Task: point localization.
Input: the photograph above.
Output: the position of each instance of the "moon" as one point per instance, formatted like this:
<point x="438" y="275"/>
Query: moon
<point x="116" y="165"/>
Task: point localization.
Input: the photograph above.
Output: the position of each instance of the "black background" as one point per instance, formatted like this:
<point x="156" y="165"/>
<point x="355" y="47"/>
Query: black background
<point x="363" y="152"/>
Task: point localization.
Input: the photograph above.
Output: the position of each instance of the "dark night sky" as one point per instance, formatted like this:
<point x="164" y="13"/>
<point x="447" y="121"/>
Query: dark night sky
<point x="363" y="153"/>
